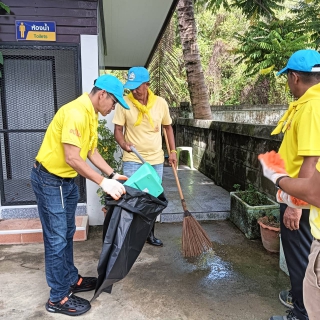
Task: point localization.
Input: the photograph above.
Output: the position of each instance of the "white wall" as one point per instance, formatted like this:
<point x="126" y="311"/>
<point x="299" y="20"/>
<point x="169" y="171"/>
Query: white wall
<point x="90" y="72"/>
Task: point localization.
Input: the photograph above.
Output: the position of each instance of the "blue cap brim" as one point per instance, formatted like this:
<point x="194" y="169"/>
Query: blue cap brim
<point x="284" y="70"/>
<point x="131" y="85"/>
<point x="122" y="102"/>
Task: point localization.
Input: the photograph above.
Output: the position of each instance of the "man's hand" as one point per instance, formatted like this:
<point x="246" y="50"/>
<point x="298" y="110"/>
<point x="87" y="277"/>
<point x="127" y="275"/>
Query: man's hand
<point x="118" y="176"/>
<point x="272" y="165"/>
<point x="291" y="218"/>
<point x="173" y="159"/>
<point x="113" y="187"/>
<point x="126" y="146"/>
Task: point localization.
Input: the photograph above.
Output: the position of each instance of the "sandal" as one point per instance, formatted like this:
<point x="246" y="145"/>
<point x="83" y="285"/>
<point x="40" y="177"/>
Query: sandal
<point x="84" y="284"/>
<point x="70" y="305"/>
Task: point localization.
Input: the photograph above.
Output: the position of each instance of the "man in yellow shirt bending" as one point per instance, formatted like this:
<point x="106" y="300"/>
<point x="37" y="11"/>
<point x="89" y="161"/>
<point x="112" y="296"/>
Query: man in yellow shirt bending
<point x="70" y="139"/>
<point x="140" y="126"/>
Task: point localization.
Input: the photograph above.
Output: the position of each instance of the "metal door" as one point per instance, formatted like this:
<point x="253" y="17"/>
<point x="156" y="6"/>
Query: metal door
<point x="36" y="81"/>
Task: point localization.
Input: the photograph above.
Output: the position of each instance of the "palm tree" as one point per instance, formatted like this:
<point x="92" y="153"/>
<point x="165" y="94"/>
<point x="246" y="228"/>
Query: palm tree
<point x="188" y="35"/>
<point x="164" y="68"/>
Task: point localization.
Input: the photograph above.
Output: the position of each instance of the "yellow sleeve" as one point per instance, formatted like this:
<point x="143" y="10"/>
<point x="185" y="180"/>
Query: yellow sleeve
<point x="119" y="116"/>
<point x="166" y="120"/>
<point x="309" y="131"/>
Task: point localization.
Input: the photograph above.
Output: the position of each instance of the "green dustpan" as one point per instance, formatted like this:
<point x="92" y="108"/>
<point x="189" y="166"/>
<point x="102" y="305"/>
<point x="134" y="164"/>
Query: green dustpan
<point x="145" y="178"/>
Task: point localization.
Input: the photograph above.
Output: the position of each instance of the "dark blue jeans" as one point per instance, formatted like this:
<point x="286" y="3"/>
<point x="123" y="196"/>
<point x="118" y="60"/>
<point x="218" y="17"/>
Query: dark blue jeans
<point x="57" y="200"/>
<point x="296" y="247"/>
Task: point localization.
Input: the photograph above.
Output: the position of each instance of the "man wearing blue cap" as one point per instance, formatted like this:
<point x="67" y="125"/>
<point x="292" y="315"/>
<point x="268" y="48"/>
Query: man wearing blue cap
<point x="300" y="150"/>
<point x="142" y="124"/>
<point x="70" y="139"/>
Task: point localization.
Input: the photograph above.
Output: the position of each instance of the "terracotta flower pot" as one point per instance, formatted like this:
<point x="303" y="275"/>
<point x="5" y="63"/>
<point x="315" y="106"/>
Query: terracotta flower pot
<point x="269" y="235"/>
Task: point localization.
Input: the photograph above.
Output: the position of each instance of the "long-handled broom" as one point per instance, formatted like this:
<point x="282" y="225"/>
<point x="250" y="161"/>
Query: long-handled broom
<point x="194" y="239"/>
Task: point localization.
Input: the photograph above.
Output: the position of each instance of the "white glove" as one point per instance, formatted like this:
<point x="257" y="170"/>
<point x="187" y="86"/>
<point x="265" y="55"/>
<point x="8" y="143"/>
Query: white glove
<point x="272" y="165"/>
<point x="293" y="202"/>
<point x="279" y="196"/>
<point x="113" y="187"/>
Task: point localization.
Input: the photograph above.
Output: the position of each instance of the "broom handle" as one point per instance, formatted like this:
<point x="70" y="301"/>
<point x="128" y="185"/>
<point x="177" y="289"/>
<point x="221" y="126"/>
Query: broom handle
<point x="183" y="202"/>
<point x="134" y="150"/>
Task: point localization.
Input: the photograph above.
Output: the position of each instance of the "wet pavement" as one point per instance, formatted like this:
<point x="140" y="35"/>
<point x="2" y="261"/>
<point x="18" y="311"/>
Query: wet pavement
<point x="203" y="198"/>
<point x="239" y="280"/>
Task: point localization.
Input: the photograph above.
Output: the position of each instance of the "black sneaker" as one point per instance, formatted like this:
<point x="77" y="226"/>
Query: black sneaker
<point x="70" y="305"/>
<point x="84" y="284"/>
<point x="290" y="316"/>
<point x="285" y="298"/>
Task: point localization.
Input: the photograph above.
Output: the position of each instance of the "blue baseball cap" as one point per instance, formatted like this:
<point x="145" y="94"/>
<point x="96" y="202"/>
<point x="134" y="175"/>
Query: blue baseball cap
<point x="112" y="85"/>
<point x="303" y="60"/>
<point x="136" y="77"/>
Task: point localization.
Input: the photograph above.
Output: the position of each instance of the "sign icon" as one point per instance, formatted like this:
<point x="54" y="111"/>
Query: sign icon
<point x="22" y="29"/>
<point x="35" y="30"/>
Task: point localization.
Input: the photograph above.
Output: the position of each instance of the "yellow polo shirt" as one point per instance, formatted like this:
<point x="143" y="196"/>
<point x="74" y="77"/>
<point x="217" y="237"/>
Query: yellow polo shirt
<point x="302" y="137"/>
<point x="71" y="125"/>
<point x="147" y="139"/>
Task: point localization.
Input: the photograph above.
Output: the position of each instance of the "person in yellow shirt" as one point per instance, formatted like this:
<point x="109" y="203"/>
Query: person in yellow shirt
<point x="300" y="150"/>
<point x="70" y="139"/>
<point x="306" y="189"/>
<point x="140" y="126"/>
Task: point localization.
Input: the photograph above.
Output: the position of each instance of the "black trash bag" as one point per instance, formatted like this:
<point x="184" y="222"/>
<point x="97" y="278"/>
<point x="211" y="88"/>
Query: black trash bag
<point x="126" y="227"/>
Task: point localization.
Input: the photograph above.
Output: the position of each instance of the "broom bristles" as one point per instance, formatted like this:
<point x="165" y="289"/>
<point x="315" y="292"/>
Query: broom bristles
<point x="195" y="240"/>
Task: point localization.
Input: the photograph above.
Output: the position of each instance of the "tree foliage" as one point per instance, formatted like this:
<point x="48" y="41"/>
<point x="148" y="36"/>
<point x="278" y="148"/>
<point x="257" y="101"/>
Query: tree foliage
<point x="306" y="16"/>
<point x="258" y="8"/>
<point x="268" y="45"/>
<point x="165" y="69"/>
<point x="250" y="8"/>
<point x="241" y="44"/>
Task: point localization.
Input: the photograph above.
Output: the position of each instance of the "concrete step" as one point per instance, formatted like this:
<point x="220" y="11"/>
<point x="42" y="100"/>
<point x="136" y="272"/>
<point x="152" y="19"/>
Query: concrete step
<point x="22" y="231"/>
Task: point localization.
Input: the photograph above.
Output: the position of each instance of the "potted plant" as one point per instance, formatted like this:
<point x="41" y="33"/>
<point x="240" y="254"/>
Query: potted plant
<point x="270" y="233"/>
<point x="246" y="207"/>
<point x="107" y="147"/>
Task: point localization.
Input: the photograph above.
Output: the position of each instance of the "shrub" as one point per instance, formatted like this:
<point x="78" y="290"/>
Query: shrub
<point x="107" y="147"/>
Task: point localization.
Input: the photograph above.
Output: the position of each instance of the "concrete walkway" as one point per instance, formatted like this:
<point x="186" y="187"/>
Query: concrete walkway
<point x="204" y="199"/>
<point x="241" y="280"/>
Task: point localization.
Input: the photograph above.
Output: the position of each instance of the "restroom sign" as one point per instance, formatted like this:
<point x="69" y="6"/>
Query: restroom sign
<point x="36" y="30"/>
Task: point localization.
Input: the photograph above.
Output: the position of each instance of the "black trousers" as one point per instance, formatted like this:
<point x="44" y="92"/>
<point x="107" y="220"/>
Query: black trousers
<point x="296" y="247"/>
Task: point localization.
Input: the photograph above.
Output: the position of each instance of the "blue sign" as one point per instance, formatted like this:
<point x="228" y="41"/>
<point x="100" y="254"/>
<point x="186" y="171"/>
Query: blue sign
<point x="36" y="30"/>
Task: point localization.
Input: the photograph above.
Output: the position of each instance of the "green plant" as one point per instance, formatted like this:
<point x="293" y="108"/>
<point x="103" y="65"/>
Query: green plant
<point x="236" y="187"/>
<point x="107" y="147"/>
<point x="272" y="221"/>
<point x="4" y="7"/>
<point x="266" y="46"/>
<point x="251" y="196"/>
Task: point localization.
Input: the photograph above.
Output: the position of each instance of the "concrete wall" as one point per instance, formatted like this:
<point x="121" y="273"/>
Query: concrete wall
<point x="227" y="152"/>
<point x="255" y="114"/>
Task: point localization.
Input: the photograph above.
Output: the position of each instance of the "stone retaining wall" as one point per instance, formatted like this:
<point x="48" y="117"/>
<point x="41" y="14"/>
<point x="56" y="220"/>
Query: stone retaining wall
<point x="227" y="152"/>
